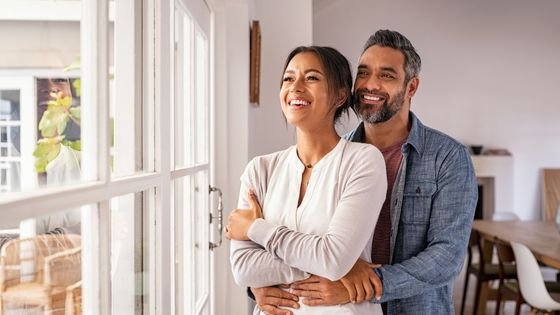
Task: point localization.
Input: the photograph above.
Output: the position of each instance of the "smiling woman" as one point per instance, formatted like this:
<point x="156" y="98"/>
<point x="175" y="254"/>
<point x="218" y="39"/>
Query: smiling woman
<point x="314" y="195"/>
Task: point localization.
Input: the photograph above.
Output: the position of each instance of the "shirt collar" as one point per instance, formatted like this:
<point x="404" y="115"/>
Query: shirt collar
<point x="414" y="139"/>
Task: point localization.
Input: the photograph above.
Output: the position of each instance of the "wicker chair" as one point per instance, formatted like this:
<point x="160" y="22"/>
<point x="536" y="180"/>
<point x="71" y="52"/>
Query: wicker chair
<point x="42" y="271"/>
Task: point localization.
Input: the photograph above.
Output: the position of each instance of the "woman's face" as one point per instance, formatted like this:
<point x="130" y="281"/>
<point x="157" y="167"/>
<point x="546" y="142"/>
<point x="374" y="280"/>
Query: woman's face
<point x="304" y="94"/>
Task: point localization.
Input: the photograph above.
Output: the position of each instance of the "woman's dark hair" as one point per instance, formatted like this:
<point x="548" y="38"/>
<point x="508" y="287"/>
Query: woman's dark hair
<point x="337" y="73"/>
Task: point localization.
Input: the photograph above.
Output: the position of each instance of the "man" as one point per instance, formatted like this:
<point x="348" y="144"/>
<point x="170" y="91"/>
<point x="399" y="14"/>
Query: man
<point x="425" y="223"/>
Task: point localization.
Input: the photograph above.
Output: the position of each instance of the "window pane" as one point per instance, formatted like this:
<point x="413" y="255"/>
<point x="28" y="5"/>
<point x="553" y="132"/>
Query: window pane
<point x="9" y="105"/>
<point x="40" y="90"/>
<point x="125" y="98"/>
<point x="10" y="140"/>
<point x="202" y="101"/>
<point x="9" y="176"/>
<point x="185" y="126"/>
<point x="192" y="210"/>
<point x="191" y="94"/>
<point x="41" y="264"/>
<point x="127" y="255"/>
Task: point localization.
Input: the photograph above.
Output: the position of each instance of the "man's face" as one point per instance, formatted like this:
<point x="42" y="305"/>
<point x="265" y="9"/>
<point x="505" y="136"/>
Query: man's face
<point x="380" y="91"/>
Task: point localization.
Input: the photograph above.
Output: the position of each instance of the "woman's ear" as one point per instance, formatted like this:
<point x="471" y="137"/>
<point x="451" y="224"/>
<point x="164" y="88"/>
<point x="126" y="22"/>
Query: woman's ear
<point x="341" y="98"/>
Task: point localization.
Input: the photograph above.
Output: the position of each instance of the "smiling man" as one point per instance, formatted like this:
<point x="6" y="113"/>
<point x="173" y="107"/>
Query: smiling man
<point x="422" y="233"/>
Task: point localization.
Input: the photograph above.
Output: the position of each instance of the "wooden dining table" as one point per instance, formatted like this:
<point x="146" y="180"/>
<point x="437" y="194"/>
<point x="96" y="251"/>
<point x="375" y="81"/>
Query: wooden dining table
<point x="541" y="237"/>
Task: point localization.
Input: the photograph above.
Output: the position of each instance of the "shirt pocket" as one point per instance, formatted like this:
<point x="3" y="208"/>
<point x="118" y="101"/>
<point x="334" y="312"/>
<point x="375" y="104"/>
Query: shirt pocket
<point x="417" y="202"/>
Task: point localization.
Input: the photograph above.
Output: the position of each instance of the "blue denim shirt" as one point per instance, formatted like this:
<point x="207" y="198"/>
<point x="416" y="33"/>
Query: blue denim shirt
<point x="432" y="209"/>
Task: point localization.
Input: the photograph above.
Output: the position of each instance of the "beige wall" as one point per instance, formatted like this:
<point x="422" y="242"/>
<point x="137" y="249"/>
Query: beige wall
<point x="490" y="72"/>
<point x="284" y="26"/>
<point x="29" y="44"/>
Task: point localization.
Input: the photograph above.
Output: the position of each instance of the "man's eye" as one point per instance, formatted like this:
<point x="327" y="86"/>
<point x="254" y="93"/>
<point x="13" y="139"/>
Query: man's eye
<point x="361" y="73"/>
<point x="387" y="76"/>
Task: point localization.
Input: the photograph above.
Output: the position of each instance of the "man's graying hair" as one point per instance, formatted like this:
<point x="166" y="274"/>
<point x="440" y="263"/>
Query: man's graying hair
<point x="395" y="40"/>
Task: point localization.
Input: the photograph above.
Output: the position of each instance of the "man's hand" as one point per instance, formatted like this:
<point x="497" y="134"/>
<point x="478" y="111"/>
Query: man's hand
<point x="320" y="291"/>
<point x="270" y="299"/>
<point x="240" y="220"/>
<point x="362" y="282"/>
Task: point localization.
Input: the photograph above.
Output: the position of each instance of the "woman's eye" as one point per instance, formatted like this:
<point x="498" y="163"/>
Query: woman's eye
<point x="287" y="79"/>
<point x="312" y="78"/>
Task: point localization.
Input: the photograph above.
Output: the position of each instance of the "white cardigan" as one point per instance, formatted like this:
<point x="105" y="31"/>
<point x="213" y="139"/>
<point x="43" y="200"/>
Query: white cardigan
<point x="326" y="234"/>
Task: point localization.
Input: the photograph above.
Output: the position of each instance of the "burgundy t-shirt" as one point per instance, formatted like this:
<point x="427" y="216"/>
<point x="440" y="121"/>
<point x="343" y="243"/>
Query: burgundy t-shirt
<point x="380" y="251"/>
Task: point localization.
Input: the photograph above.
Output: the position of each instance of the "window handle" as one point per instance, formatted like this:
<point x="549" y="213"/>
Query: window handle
<point x="212" y="189"/>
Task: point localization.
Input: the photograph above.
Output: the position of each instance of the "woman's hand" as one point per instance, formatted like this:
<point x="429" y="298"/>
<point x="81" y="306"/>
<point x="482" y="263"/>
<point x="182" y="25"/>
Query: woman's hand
<point x="240" y="220"/>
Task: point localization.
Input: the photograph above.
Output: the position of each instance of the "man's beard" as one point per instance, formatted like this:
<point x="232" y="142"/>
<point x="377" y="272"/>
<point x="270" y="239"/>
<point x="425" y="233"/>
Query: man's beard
<point x="387" y="110"/>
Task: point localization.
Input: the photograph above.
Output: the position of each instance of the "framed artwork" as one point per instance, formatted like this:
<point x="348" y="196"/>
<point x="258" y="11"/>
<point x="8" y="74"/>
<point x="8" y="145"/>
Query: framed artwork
<point x="255" y="63"/>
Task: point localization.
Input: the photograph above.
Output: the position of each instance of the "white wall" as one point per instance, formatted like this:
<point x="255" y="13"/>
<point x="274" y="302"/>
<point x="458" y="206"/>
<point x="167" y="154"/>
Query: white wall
<point x="231" y="125"/>
<point x="38" y="44"/>
<point x="244" y="130"/>
<point x="284" y="26"/>
<point x="490" y="69"/>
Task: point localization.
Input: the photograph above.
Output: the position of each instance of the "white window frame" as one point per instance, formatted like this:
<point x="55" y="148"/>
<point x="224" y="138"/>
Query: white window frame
<point x="97" y="187"/>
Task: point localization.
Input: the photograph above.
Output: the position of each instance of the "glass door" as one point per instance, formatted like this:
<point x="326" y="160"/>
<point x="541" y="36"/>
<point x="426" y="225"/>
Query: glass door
<point x="191" y="158"/>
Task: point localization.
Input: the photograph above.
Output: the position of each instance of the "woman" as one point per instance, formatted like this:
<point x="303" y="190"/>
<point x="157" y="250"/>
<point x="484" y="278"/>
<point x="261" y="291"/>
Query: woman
<point x="320" y="198"/>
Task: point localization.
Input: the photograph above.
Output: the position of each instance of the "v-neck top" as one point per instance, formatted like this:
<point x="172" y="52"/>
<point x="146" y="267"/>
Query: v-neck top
<point x="326" y="234"/>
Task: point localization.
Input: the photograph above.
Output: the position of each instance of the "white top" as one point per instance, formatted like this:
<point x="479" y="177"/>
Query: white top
<point x="326" y="234"/>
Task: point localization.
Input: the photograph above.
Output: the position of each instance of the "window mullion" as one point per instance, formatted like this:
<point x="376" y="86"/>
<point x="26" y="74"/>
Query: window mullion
<point x="95" y="142"/>
<point x="104" y="229"/>
<point x="164" y="270"/>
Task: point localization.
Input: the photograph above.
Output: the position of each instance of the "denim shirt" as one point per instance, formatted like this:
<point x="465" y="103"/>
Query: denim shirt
<point x="432" y="209"/>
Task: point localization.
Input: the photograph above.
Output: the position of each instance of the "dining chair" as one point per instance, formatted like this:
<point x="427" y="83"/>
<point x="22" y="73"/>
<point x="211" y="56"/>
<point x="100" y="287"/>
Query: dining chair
<point x="483" y="270"/>
<point x="509" y="288"/>
<point x="40" y="272"/>
<point x="531" y="282"/>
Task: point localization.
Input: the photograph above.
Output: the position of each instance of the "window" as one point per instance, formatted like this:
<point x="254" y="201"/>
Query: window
<point x="105" y="143"/>
<point x="73" y="150"/>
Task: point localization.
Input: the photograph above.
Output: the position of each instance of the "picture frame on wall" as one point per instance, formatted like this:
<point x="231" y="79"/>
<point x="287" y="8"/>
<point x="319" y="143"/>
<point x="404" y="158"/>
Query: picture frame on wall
<point x="255" y="63"/>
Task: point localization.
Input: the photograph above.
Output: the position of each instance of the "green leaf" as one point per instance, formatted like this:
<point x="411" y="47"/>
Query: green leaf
<point x="45" y="152"/>
<point x="76" y="145"/>
<point x="54" y="121"/>
<point x="76" y="113"/>
<point x="77" y="84"/>
<point x="65" y="102"/>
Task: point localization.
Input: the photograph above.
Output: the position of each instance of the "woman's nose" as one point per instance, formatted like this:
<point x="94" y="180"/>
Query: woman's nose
<point x="297" y="86"/>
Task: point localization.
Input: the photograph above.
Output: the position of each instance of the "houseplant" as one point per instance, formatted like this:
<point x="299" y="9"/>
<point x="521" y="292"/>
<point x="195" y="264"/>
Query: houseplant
<point x="54" y="147"/>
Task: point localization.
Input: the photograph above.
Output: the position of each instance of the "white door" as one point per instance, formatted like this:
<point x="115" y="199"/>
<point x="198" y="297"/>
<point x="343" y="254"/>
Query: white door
<point x="192" y="159"/>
